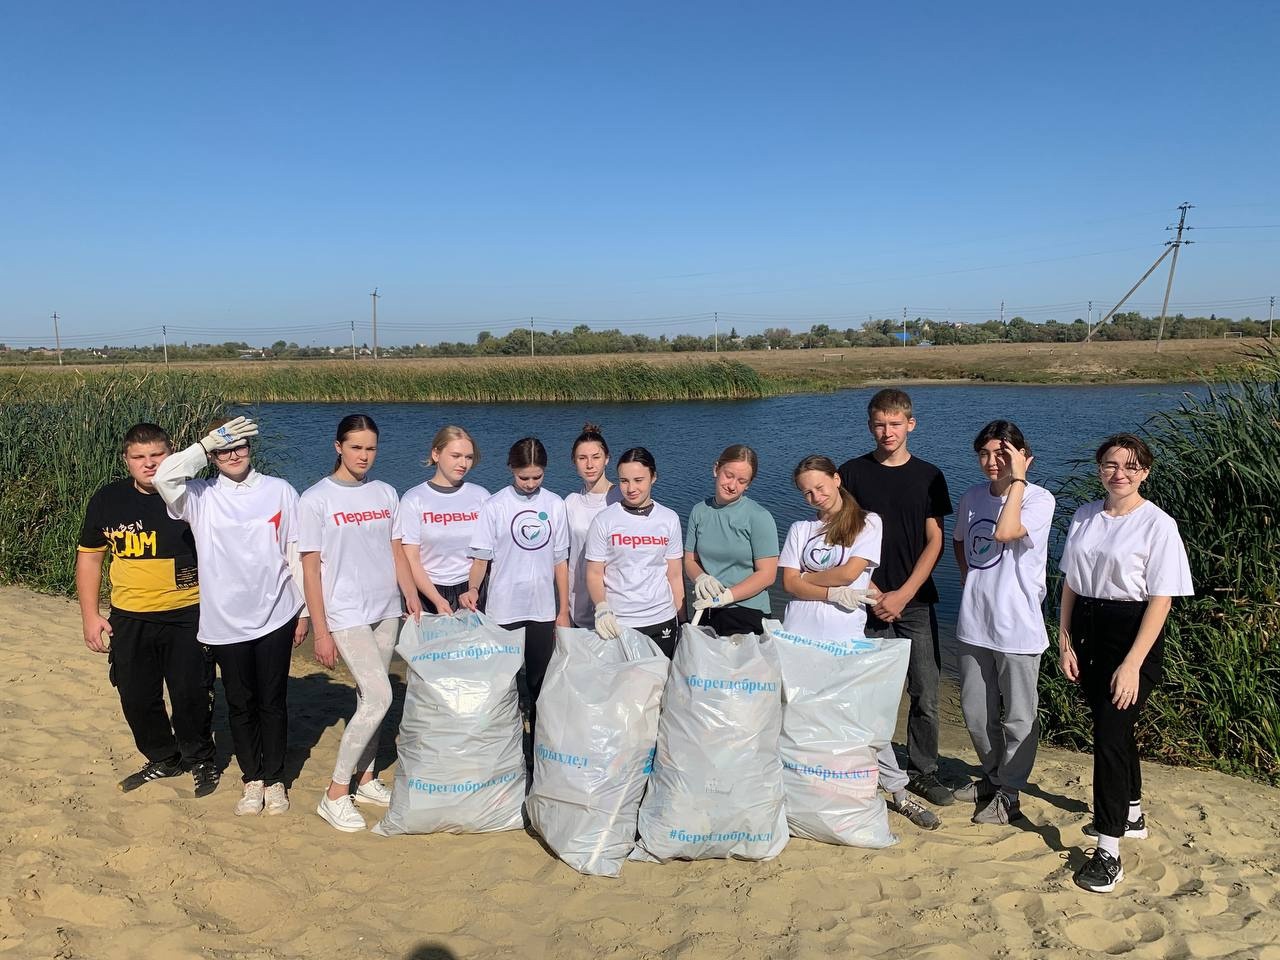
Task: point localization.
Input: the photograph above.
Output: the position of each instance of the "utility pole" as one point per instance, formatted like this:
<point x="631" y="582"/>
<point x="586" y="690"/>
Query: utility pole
<point x="353" y="339"/>
<point x="1270" y="313"/>
<point x="1176" y="243"/>
<point x="531" y="336"/>
<point x="1150" y="270"/>
<point x="1089" y="326"/>
<point x="717" y="336"/>
<point x="374" y="297"/>
<point x="164" y="332"/>
<point x="57" y="337"/>
<point x="1003" y="328"/>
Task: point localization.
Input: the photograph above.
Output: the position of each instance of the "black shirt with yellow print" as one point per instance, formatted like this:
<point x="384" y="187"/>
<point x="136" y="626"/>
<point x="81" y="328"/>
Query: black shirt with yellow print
<point x="153" y="556"/>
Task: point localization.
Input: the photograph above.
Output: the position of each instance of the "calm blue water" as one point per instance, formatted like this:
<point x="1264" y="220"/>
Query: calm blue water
<point x="1061" y="424"/>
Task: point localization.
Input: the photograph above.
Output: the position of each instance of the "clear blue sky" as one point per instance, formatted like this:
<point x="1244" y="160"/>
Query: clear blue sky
<point x="248" y="171"/>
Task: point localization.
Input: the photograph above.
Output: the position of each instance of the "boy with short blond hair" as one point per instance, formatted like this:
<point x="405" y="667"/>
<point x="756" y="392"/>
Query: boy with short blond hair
<point x="911" y="497"/>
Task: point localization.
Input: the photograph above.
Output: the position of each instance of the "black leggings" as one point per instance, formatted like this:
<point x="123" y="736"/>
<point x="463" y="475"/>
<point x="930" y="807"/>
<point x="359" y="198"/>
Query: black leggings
<point x="1102" y="633"/>
<point x="664" y="634"/>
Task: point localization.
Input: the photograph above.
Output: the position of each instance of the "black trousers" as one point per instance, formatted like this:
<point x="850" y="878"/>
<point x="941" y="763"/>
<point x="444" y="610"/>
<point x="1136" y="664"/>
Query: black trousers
<point x="146" y="657"/>
<point x="255" y="678"/>
<point x="1102" y="632"/>
<point x="451" y="592"/>
<point x="727" y="621"/>
<point x="539" y="644"/>
<point x="664" y="634"/>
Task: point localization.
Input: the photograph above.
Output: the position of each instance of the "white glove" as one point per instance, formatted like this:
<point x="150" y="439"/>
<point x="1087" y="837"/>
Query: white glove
<point x="230" y="434"/>
<point x="607" y="626"/>
<point x="723" y="600"/>
<point x="851" y="597"/>
<point x="707" y="587"/>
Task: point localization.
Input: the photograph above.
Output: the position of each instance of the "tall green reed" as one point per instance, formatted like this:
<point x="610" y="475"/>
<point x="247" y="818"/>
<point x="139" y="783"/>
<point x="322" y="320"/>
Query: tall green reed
<point x="61" y="442"/>
<point x="1217" y="472"/>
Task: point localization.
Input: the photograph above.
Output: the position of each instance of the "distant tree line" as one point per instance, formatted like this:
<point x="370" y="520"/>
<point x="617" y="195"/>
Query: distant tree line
<point x="581" y="340"/>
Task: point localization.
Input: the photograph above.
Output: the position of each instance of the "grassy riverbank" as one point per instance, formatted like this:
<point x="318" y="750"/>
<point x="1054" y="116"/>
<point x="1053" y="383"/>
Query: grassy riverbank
<point x="688" y="376"/>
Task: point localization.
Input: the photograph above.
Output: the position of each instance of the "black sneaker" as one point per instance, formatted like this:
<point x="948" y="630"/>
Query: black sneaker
<point x="156" y="770"/>
<point x="1133" y="829"/>
<point x="206" y="775"/>
<point x="1100" y="874"/>
<point x="926" y="785"/>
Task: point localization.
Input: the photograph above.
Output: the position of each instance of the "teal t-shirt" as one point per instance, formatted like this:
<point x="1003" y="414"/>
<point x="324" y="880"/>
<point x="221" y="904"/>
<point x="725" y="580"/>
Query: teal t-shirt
<point x="728" y="540"/>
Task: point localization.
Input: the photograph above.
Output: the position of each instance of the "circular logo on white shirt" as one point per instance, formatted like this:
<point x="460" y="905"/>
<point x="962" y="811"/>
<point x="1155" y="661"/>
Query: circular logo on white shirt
<point x="820" y="555"/>
<point x="984" y="550"/>
<point x="531" y="529"/>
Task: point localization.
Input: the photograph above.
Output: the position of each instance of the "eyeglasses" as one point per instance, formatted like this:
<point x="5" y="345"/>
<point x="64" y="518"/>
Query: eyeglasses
<point x="235" y="453"/>
<point x="1112" y="468"/>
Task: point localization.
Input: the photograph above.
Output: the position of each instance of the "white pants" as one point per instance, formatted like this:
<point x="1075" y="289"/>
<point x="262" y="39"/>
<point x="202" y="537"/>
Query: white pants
<point x="367" y="653"/>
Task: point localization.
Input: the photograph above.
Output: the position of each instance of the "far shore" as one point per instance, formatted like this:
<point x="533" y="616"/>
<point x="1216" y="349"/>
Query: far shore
<point x="760" y="373"/>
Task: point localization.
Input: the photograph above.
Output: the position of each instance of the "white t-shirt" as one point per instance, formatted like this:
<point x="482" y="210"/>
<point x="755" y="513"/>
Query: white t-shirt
<point x="442" y="524"/>
<point x="581" y="509"/>
<point x="635" y="549"/>
<point x="1005" y="587"/>
<point x="351" y="527"/>
<point x="523" y="537"/>
<point x="806" y="549"/>
<point x="1134" y="557"/>
<point x="242" y="533"/>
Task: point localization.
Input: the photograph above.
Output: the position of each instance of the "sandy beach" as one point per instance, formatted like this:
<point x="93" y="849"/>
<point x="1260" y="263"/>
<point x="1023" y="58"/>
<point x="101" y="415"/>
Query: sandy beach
<point x="89" y="872"/>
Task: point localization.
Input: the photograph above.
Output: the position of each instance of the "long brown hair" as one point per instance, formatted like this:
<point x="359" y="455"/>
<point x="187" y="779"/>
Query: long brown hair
<point x="849" y="520"/>
<point x="738" y="453"/>
<point x="445" y="436"/>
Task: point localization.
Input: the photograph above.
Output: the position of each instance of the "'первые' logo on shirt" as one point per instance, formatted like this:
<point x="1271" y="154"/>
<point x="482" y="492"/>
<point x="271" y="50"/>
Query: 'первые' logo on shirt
<point x="983" y="549"/>
<point x="444" y="519"/>
<point x="361" y="516"/>
<point x="531" y="530"/>
<point x="633" y="541"/>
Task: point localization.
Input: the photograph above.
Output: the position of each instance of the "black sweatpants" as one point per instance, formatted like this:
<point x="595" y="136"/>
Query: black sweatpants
<point x="1102" y="632"/>
<point x="147" y="656"/>
<point x="664" y="634"/>
<point x="255" y="677"/>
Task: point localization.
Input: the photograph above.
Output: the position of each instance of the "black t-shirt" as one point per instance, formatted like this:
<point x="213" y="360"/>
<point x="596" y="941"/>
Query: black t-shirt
<point x="904" y="497"/>
<point x="153" y="557"/>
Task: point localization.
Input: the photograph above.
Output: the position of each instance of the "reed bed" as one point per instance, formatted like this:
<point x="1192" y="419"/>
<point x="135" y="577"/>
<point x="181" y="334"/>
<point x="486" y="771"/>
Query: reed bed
<point x="606" y="381"/>
<point x="62" y="442"/>
<point x="1217" y="471"/>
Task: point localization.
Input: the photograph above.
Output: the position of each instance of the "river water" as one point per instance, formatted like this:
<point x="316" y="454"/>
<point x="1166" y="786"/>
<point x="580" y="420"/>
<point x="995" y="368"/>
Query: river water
<point x="1062" y="424"/>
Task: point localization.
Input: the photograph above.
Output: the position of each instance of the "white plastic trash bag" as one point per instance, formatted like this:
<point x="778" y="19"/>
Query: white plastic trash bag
<point x="716" y="786"/>
<point x="593" y="746"/>
<point x="461" y="762"/>
<point x="840" y="706"/>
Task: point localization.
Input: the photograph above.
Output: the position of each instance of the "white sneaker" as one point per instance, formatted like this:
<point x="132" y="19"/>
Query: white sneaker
<point x="277" y="799"/>
<point x="250" y="805"/>
<point x="341" y="814"/>
<point x="375" y="792"/>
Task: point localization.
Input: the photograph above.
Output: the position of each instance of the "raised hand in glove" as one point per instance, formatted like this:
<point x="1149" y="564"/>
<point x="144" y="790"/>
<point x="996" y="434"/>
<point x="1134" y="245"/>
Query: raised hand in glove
<point x="230" y="434"/>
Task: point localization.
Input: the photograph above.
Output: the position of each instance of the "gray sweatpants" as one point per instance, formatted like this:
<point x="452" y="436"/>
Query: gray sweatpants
<point x="1006" y="747"/>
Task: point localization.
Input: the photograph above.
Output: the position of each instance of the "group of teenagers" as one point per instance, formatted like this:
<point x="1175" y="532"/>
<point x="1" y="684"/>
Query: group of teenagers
<point x="349" y="559"/>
